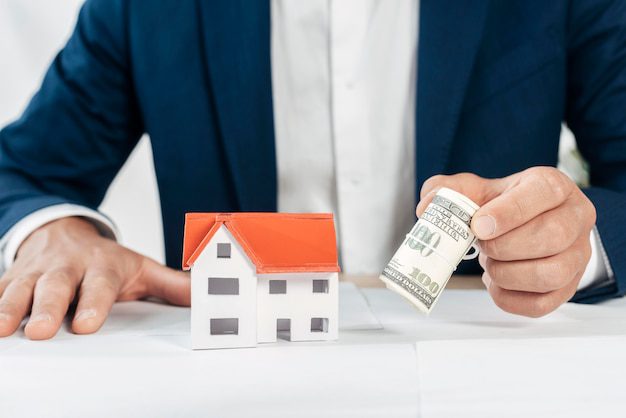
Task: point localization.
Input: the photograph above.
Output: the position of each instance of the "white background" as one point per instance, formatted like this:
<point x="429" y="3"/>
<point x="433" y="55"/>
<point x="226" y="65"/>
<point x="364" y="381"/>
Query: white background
<point x="31" y="33"/>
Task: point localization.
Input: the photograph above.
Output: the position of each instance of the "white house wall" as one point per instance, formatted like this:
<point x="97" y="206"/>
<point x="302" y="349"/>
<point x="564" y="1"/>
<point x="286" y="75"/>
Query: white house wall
<point x="206" y="307"/>
<point x="299" y="304"/>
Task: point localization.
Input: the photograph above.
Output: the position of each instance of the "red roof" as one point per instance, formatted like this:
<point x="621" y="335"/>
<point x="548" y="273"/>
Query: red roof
<point x="275" y="242"/>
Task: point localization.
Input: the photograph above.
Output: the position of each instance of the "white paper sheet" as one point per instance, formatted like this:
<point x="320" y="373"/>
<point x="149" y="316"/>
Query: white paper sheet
<point x="354" y="311"/>
<point x="549" y="377"/>
<point x="158" y="376"/>
<point x="471" y="314"/>
<point x="141" y="364"/>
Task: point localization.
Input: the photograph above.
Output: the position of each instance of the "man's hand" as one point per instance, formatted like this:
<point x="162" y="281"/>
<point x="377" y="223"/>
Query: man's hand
<point x="68" y="259"/>
<point x="533" y="229"/>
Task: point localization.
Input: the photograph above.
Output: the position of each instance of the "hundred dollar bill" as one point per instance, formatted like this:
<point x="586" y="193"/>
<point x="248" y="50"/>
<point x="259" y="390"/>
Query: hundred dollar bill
<point x="431" y="251"/>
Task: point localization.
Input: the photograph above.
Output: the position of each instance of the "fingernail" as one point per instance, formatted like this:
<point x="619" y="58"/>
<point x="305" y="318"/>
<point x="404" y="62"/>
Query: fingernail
<point x="484" y="226"/>
<point x="40" y="318"/>
<point x="86" y="314"/>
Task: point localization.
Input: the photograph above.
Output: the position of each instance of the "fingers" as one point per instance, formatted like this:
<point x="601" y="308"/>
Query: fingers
<point x="479" y="189"/>
<point x="508" y="202"/>
<point x="528" y="194"/>
<point x="15" y="301"/>
<point x="540" y="275"/>
<point x="425" y="201"/>
<point x="533" y="230"/>
<point x="61" y="253"/>
<point x="529" y="304"/>
<point x="536" y="287"/>
<point x="54" y="291"/>
<point x="98" y="293"/>
<point x="165" y="283"/>
<point x="548" y="234"/>
<point x="4" y="282"/>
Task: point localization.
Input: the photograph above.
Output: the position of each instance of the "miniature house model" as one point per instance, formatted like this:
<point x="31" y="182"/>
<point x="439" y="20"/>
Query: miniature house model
<point x="256" y="276"/>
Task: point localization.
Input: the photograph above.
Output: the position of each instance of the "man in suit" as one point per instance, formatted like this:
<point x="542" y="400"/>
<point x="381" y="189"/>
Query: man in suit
<point x="359" y="107"/>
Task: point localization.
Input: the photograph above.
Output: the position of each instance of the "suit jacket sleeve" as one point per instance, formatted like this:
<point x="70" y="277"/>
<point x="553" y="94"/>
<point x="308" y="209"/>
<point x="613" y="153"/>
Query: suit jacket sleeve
<point x="596" y="113"/>
<point x="79" y="128"/>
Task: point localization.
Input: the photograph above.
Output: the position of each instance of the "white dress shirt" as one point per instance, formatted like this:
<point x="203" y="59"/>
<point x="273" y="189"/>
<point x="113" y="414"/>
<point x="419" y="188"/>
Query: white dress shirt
<point x="344" y="84"/>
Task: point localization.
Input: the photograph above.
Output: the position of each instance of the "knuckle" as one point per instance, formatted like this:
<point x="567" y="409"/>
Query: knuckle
<point x="499" y="300"/>
<point x="520" y="211"/>
<point x="431" y="183"/>
<point x="495" y="269"/>
<point x="493" y="248"/>
<point x="551" y="274"/>
<point x="589" y="213"/>
<point x="58" y="284"/>
<point x="556" y="235"/>
<point x="109" y="286"/>
<point x="557" y="184"/>
<point x="486" y="247"/>
<point x="3" y="285"/>
<point x="586" y="253"/>
<point x="7" y="277"/>
<point x="99" y="253"/>
<point x="580" y="213"/>
<point x="504" y="303"/>
<point x="576" y="259"/>
<point x="102" y="283"/>
<point x="533" y="307"/>
<point x="537" y="175"/>
<point x="26" y="282"/>
<point x="9" y="307"/>
<point x="557" y="227"/>
<point x="59" y="276"/>
<point x="538" y="307"/>
<point x="593" y="214"/>
<point x="465" y="177"/>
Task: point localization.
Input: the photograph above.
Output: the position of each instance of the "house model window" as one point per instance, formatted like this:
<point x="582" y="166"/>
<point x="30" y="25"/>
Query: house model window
<point x="319" y="324"/>
<point x="223" y="286"/>
<point x="320" y="286"/>
<point x="224" y="326"/>
<point x="223" y="250"/>
<point x="278" y="287"/>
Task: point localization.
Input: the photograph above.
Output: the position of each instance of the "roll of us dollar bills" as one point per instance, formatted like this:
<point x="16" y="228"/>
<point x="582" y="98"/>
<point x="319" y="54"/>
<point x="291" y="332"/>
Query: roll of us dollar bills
<point x="431" y="251"/>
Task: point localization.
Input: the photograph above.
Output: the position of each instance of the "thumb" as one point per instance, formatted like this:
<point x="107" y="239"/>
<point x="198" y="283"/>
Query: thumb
<point x="523" y="197"/>
<point x="165" y="283"/>
<point x="479" y="189"/>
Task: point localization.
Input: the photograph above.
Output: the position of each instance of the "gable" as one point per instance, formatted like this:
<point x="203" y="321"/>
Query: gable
<point x="237" y="264"/>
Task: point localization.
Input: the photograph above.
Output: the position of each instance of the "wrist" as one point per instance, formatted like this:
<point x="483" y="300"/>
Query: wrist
<point x="75" y="226"/>
<point x="15" y="237"/>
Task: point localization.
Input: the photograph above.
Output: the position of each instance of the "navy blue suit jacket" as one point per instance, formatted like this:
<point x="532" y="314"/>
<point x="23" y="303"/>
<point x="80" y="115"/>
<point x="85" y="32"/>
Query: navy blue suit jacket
<point x="496" y="79"/>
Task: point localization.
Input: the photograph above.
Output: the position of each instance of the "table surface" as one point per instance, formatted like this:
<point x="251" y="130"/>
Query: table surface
<point x="468" y="358"/>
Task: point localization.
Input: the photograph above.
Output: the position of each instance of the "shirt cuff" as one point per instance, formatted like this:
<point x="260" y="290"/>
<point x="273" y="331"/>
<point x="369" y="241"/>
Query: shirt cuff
<point x="11" y="241"/>
<point x="599" y="268"/>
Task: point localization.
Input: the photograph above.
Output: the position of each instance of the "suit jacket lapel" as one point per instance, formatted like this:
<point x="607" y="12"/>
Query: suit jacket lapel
<point x="450" y="32"/>
<point x="236" y="36"/>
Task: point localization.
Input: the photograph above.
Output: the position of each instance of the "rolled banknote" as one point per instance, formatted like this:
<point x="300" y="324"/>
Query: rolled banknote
<point x="431" y="251"/>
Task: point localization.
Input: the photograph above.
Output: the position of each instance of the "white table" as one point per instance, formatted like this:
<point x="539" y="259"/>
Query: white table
<point x="468" y="359"/>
